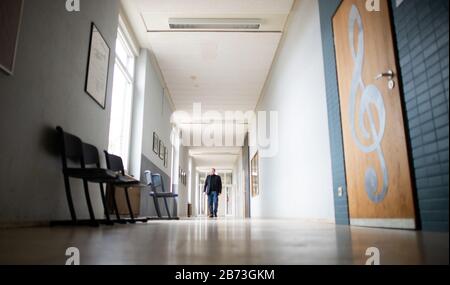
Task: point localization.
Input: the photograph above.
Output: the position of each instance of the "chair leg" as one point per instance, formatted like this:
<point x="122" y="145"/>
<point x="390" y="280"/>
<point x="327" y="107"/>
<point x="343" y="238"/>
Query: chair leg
<point x="73" y="214"/>
<point x="158" y="211"/>
<point x="116" y="209"/>
<point x="89" y="204"/>
<point x="130" y="210"/>
<point x="167" y="208"/>
<point x="102" y="193"/>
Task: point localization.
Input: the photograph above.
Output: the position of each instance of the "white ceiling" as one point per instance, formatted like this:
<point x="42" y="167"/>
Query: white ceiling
<point x="153" y="15"/>
<point x="220" y="158"/>
<point x="225" y="71"/>
<point x="221" y="70"/>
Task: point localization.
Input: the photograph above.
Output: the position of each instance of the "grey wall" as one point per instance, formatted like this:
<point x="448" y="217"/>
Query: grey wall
<point x="47" y="90"/>
<point x="421" y="30"/>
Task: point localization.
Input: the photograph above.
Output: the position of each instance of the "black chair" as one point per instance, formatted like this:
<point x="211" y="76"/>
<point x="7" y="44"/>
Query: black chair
<point x="80" y="161"/>
<point x="115" y="163"/>
<point x="154" y="180"/>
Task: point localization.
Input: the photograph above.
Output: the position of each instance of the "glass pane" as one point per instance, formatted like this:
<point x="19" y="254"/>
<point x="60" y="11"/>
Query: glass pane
<point x="124" y="54"/>
<point x="119" y="134"/>
<point x="121" y="50"/>
<point x="229" y="202"/>
<point x="228" y="178"/>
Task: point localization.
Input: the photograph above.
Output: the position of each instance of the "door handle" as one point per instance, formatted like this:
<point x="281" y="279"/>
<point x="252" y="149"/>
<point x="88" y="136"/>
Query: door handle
<point x="389" y="74"/>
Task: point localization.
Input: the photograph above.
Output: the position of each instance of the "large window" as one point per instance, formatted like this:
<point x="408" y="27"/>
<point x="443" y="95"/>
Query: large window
<point x="175" y="160"/>
<point x="122" y="98"/>
<point x="254" y="178"/>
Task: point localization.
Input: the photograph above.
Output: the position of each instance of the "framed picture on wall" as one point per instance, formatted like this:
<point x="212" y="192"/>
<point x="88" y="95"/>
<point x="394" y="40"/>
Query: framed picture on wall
<point x="98" y="67"/>
<point x="254" y="177"/>
<point x="155" y="143"/>
<point x="161" y="150"/>
<point x="166" y="157"/>
<point x="10" y="21"/>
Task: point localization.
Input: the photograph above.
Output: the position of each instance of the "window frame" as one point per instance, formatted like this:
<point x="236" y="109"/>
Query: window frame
<point x="128" y="71"/>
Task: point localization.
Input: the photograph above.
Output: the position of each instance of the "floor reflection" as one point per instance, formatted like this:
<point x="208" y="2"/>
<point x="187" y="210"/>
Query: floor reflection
<point x="222" y="241"/>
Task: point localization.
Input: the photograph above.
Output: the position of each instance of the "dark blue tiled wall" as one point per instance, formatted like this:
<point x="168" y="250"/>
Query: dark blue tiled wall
<point x="421" y="30"/>
<point x="327" y="9"/>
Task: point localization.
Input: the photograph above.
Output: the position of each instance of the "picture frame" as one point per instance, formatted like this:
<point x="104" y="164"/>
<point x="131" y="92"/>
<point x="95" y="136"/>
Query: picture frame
<point x="166" y="157"/>
<point x="182" y="175"/>
<point x="161" y="150"/>
<point x="155" y="143"/>
<point x="98" y="67"/>
<point x="11" y="13"/>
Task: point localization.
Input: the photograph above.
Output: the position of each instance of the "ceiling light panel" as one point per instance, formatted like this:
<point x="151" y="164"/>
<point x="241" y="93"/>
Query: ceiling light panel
<point x="214" y="24"/>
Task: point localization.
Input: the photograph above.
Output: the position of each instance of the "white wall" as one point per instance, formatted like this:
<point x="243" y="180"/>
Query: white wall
<point x="193" y="182"/>
<point x="157" y="113"/>
<point x="182" y="189"/>
<point x="297" y="182"/>
<point x="152" y="112"/>
<point x="239" y="191"/>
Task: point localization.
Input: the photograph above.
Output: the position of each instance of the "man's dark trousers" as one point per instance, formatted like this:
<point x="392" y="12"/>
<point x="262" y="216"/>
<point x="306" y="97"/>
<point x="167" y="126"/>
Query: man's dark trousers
<point x="213" y="201"/>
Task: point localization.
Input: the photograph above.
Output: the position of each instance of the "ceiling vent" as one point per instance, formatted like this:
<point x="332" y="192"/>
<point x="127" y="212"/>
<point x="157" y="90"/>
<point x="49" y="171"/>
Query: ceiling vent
<point x="214" y="24"/>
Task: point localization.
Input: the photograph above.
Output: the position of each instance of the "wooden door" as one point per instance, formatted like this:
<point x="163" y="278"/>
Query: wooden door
<point x="378" y="174"/>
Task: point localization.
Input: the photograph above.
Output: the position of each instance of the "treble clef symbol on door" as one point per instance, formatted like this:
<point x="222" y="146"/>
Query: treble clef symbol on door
<point x="371" y="96"/>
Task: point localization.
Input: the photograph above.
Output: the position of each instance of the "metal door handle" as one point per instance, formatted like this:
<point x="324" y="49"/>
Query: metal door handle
<point x="389" y="74"/>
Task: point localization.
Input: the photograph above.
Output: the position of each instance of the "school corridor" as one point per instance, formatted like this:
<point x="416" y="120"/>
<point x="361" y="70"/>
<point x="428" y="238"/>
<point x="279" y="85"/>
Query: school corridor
<point x="321" y="127"/>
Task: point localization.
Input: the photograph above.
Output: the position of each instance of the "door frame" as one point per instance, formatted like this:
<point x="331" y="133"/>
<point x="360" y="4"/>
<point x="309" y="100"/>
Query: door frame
<point x="418" y="222"/>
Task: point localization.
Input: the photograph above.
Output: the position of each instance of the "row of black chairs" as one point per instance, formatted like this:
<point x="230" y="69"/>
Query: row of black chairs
<point x="82" y="161"/>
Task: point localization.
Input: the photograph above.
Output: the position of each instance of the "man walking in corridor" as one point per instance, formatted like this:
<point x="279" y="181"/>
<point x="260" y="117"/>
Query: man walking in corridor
<point x="213" y="188"/>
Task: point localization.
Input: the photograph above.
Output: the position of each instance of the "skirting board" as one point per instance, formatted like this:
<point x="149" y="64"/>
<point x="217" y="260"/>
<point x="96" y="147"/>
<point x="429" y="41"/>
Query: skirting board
<point x="18" y="225"/>
<point x="404" y="224"/>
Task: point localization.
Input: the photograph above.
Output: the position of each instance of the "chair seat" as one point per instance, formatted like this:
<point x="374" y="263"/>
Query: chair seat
<point x="92" y="174"/>
<point x="127" y="179"/>
<point x="100" y="175"/>
<point x="163" y="195"/>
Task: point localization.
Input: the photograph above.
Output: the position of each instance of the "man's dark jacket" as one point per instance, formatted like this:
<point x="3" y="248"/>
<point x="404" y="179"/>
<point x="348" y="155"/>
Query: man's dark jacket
<point x="213" y="183"/>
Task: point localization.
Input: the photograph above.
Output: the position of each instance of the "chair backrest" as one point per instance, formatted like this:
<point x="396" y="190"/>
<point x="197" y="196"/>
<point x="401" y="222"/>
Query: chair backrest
<point x="114" y="163"/>
<point x="71" y="148"/>
<point x="157" y="182"/>
<point x="90" y="155"/>
<point x="148" y="177"/>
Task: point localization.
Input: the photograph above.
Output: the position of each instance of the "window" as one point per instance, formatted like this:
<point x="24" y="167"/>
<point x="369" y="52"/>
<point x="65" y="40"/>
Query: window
<point x="122" y="98"/>
<point x="175" y="159"/>
<point x="254" y="177"/>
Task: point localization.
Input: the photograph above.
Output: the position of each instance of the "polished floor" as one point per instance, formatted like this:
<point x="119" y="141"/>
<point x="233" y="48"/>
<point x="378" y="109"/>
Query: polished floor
<point x="222" y="242"/>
